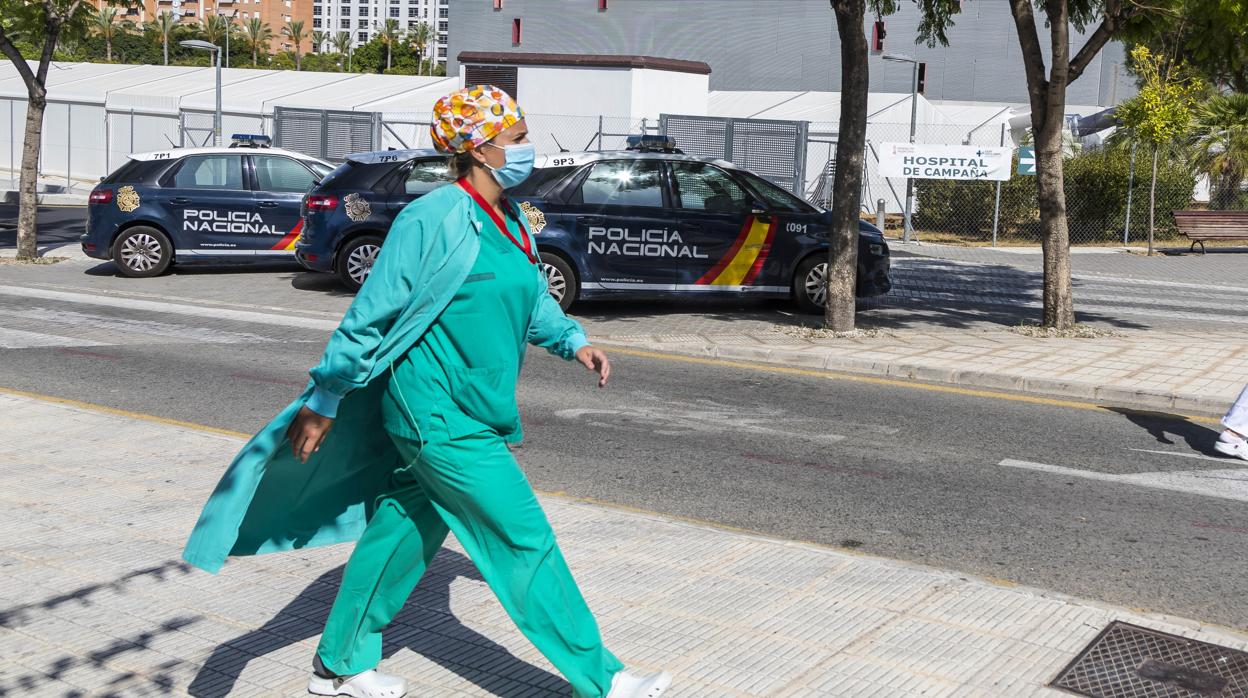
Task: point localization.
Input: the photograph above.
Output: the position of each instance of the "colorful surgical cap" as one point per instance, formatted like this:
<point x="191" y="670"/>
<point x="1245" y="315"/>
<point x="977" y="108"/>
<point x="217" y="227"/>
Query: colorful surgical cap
<point x="469" y="118"/>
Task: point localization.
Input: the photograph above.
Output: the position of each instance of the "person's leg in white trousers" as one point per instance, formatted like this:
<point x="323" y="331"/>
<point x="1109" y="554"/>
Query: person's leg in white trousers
<point x="1234" y="441"/>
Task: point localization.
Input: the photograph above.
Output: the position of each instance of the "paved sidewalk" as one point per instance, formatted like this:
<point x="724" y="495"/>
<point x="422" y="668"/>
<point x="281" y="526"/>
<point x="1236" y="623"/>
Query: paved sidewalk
<point x="1198" y="372"/>
<point x="93" y="599"/>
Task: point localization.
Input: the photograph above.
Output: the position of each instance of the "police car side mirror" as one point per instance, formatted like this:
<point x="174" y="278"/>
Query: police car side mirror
<point x="758" y="210"/>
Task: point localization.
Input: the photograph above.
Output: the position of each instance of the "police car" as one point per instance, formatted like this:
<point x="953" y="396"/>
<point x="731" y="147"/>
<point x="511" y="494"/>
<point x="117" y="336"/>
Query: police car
<point x="238" y="203"/>
<point x="639" y="222"/>
<point x="347" y="215"/>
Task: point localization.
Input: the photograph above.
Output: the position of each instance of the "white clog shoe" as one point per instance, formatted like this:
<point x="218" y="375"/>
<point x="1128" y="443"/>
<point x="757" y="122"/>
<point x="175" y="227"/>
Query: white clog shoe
<point x="629" y="685"/>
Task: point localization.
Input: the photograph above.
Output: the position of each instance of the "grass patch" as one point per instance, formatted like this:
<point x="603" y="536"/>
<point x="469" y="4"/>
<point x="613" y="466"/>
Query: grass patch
<point x="820" y="333"/>
<point x="1034" y="329"/>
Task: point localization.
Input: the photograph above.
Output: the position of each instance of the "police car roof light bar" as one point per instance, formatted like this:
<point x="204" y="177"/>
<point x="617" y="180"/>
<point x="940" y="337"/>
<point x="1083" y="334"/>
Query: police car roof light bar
<point x="250" y="140"/>
<point x="647" y="143"/>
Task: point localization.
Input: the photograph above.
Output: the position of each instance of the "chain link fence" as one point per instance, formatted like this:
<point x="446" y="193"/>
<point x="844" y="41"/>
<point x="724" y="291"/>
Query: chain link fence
<point x="1107" y="198"/>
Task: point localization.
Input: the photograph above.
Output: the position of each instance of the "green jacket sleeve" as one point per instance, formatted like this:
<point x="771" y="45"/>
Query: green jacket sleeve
<point x="352" y="349"/>
<point x="550" y="328"/>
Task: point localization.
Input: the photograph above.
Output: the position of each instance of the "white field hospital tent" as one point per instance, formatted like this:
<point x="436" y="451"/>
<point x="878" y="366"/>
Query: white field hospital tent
<point x="97" y="113"/>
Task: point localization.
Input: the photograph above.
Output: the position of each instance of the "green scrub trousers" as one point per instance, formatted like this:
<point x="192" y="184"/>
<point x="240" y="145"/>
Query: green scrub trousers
<point x="450" y="408"/>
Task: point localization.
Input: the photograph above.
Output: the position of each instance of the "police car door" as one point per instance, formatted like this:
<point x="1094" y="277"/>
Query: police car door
<point x="209" y="206"/>
<point x="624" y="222"/>
<point x="716" y="217"/>
<point x="280" y="183"/>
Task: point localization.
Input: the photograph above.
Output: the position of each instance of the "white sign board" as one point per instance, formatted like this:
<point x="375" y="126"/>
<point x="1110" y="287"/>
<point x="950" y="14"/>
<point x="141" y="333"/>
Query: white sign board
<point x="934" y="161"/>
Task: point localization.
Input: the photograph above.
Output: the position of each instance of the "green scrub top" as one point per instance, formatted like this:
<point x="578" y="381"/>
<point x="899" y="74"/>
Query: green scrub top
<point x="464" y="369"/>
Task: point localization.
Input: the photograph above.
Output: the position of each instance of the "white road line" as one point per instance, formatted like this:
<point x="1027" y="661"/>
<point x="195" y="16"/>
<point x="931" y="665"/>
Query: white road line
<point x="20" y="339"/>
<point x="173" y="308"/>
<point x="1222" y="484"/>
<point x="142" y="329"/>
<point x="1197" y="456"/>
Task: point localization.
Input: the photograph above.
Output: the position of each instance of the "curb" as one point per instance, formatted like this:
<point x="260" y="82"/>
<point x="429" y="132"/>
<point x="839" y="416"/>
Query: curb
<point x="1180" y="403"/>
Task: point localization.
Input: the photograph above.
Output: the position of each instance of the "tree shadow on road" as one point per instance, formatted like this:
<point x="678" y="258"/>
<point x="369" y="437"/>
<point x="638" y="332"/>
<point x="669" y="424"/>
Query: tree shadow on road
<point x="426" y="625"/>
<point x="1165" y="428"/>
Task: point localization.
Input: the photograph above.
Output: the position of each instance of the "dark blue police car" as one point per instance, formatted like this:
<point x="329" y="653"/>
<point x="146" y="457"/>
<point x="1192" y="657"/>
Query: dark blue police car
<point x="239" y="203"/>
<point x="634" y="222"/>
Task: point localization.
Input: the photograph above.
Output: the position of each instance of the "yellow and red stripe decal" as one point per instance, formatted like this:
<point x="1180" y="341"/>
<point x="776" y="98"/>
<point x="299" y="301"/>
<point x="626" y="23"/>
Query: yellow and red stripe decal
<point x="287" y="243"/>
<point x="746" y="256"/>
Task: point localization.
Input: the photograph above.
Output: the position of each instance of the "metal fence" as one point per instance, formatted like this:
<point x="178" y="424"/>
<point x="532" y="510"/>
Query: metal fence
<point x="1107" y="190"/>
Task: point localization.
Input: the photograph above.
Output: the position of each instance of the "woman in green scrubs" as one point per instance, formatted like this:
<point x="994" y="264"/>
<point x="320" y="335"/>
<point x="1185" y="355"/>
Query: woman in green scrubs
<point x="449" y="408"/>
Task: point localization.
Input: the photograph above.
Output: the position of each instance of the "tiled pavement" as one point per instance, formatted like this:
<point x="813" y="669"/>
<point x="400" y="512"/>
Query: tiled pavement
<point x="93" y="600"/>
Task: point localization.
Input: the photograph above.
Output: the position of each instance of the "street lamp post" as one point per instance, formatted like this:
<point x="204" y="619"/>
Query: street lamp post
<point x="914" y="114"/>
<point x="216" y="51"/>
<point x="229" y="29"/>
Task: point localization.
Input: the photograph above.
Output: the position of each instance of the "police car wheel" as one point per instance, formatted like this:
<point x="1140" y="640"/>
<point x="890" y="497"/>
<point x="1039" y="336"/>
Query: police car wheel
<point x="355" y="262"/>
<point x="560" y="279"/>
<point x="141" y="252"/>
<point x="810" y="284"/>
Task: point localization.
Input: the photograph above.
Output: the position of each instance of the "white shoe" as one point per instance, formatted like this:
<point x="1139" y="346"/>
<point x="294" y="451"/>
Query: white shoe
<point x="368" y="684"/>
<point x="1237" y="449"/>
<point x="629" y="685"/>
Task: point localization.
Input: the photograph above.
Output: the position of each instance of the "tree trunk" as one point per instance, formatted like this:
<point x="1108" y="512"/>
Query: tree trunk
<point x="387" y="56"/>
<point x="28" y="200"/>
<point x="1059" y="305"/>
<point x="166" y="48"/>
<point x="1152" y="200"/>
<point x="847" y="185"/>
<point x="1047" y="95"/>
<point x="108" y="50"/>
<point x="298" y="59"/>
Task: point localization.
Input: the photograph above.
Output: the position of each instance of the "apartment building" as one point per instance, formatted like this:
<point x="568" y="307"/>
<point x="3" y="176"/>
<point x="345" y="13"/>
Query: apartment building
<point x="275" y="13"/>
<point x="363" y="18"/>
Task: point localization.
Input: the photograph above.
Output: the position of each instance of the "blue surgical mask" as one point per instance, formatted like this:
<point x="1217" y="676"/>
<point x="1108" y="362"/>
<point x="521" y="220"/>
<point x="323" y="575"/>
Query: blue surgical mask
<point x="517" y="164"/>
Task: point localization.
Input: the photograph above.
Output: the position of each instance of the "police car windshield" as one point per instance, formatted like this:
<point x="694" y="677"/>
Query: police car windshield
<point x="319" y="168"/>
<point x="775" y="196"/>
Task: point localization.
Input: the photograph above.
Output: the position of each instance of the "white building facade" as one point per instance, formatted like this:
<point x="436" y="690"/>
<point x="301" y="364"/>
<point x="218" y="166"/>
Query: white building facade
<point x="362" y="19"/>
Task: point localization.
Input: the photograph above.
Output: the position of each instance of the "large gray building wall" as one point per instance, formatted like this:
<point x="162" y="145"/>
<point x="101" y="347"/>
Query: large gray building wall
<point x="781" y="44"/>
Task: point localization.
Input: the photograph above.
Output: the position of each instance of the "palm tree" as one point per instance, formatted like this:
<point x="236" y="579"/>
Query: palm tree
<point x="421" y="36"/>
<point x="257" y="32"/>
<point x="1220" y="145"/>
<point x="342" y="44"/>
<point x="318" y="40"/>
<point x="294" y="31"/>
<point x="214" y="27"/>
<point x="165" y="23"/>
<point x="103" y="24"/>
<point x="389" y="34"/>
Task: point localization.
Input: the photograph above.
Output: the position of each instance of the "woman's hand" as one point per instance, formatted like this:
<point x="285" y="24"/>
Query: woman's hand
<point x="595" y="360"/>
<point x="307" y="432"/>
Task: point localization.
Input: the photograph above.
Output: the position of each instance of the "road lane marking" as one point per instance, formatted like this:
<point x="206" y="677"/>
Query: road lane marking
<point x="143" y="329"/>
<point x="674" y="421"/>
<point x="21" y="339"/>
<point x="173" y="308"/>
<point x="78" y="404"/>
<point x="1197" y="456"/>
<point x="1223" y="484"/>
<point x="872" y="380"/>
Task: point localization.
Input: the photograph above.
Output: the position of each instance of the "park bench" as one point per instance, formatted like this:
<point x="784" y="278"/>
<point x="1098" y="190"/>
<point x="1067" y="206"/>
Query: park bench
<point x="1200" y="226"/>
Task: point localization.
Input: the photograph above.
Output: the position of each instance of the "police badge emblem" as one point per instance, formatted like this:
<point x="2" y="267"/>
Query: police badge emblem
<point x="127" y="199"/>
<point x="357" y="208"/>
<point x="537" y="219"/>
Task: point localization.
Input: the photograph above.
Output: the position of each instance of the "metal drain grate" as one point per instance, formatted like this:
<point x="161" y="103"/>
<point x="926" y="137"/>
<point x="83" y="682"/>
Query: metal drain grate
<point x="1127" y="661"/>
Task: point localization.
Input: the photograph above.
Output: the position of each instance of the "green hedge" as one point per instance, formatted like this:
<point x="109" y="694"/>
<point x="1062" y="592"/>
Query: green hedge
<point x="1096" y="200"/>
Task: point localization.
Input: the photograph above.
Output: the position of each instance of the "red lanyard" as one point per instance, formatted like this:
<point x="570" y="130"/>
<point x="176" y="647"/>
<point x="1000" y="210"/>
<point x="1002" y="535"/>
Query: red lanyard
<point x="526" y="246"/>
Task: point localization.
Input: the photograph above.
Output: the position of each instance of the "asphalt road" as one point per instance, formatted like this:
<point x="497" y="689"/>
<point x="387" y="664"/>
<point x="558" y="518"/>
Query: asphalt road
<point x="1080" y="501"/>
<point x="57" y="224"/>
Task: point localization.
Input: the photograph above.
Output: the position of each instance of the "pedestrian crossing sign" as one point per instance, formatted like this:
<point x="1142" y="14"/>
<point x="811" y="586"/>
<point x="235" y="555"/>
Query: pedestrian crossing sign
<point x="1026" y="160"/>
